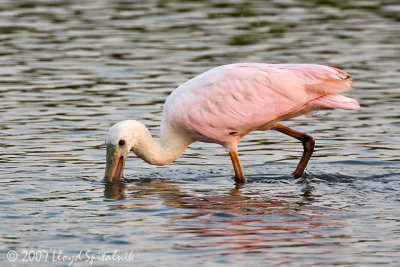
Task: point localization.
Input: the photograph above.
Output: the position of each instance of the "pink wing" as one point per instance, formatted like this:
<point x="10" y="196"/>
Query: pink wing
<point x="225" y="103"/>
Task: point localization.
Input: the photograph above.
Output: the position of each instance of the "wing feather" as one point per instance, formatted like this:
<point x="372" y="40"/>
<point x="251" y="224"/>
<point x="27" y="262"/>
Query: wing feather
<point x="239" y="98"/>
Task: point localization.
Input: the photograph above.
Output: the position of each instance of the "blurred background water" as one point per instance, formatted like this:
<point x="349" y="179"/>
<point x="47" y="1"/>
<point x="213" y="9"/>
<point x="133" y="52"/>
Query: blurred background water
<point x="70" y="69"/>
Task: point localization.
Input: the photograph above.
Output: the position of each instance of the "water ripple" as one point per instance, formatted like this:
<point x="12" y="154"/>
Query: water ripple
<point x="68" y="71"/>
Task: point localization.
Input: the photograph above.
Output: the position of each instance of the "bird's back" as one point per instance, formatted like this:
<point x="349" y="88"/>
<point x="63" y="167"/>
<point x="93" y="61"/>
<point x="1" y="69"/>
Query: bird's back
<point x="225" y="103"/>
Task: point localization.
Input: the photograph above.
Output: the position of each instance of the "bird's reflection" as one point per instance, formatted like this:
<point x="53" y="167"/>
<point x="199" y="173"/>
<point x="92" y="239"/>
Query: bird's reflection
<point x="115" y="191"/>
<point x="236" y="216"/>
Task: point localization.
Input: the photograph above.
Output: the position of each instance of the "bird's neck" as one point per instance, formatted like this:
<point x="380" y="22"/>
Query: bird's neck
<point x="170" y="147"/>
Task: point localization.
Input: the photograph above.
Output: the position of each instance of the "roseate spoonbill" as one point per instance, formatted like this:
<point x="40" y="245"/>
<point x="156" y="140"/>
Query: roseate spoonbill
<point x="224" y="104"/>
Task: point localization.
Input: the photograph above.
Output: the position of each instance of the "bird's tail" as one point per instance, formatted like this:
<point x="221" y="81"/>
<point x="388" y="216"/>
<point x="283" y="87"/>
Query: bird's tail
<point x="335" y="101"/>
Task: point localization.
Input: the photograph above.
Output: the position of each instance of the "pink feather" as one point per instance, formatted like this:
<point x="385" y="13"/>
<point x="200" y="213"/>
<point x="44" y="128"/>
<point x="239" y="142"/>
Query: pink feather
<point x="225" y="103"/>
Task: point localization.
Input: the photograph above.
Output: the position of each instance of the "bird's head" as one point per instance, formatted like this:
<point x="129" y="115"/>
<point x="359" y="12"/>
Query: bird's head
<point x="121" y="138"/>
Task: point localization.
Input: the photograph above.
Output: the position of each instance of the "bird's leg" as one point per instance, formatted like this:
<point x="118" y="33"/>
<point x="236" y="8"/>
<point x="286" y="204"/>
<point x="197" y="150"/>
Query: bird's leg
<point x="308" y="145"/>
<point x="237" y="166"/>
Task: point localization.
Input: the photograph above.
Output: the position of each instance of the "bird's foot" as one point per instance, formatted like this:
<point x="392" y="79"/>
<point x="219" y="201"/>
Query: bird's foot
<point x="240" y="180"/>
<point x="299" y="174"/>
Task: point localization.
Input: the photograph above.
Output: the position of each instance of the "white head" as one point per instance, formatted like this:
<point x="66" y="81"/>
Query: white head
<point x="121" y="138"/>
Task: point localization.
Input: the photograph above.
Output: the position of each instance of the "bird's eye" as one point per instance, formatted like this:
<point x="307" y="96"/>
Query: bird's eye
<point x="121" y="142"/>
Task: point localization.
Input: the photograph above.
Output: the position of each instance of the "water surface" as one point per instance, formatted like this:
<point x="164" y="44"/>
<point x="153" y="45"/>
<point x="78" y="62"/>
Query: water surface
<point x="68" y="71"/>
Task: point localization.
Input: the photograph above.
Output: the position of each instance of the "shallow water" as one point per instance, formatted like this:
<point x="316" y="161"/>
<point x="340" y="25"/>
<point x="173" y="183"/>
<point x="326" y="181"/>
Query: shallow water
<point x="68" y="71"/>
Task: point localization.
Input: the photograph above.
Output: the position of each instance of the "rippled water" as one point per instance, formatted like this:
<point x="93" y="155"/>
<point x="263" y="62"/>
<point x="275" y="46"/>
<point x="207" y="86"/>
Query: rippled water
<point x="69" y="70"/>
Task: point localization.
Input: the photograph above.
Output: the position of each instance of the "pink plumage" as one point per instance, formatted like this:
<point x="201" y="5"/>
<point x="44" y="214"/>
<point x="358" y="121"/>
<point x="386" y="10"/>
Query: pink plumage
<point x="225" y="103"/>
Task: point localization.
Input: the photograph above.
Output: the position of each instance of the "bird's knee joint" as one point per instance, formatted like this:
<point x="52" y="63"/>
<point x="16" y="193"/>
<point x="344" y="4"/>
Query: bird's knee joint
<point x="308" y="142"/>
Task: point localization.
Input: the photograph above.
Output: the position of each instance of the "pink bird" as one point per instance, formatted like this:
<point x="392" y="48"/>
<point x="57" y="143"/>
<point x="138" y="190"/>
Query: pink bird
<point x="224" y="104"/>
